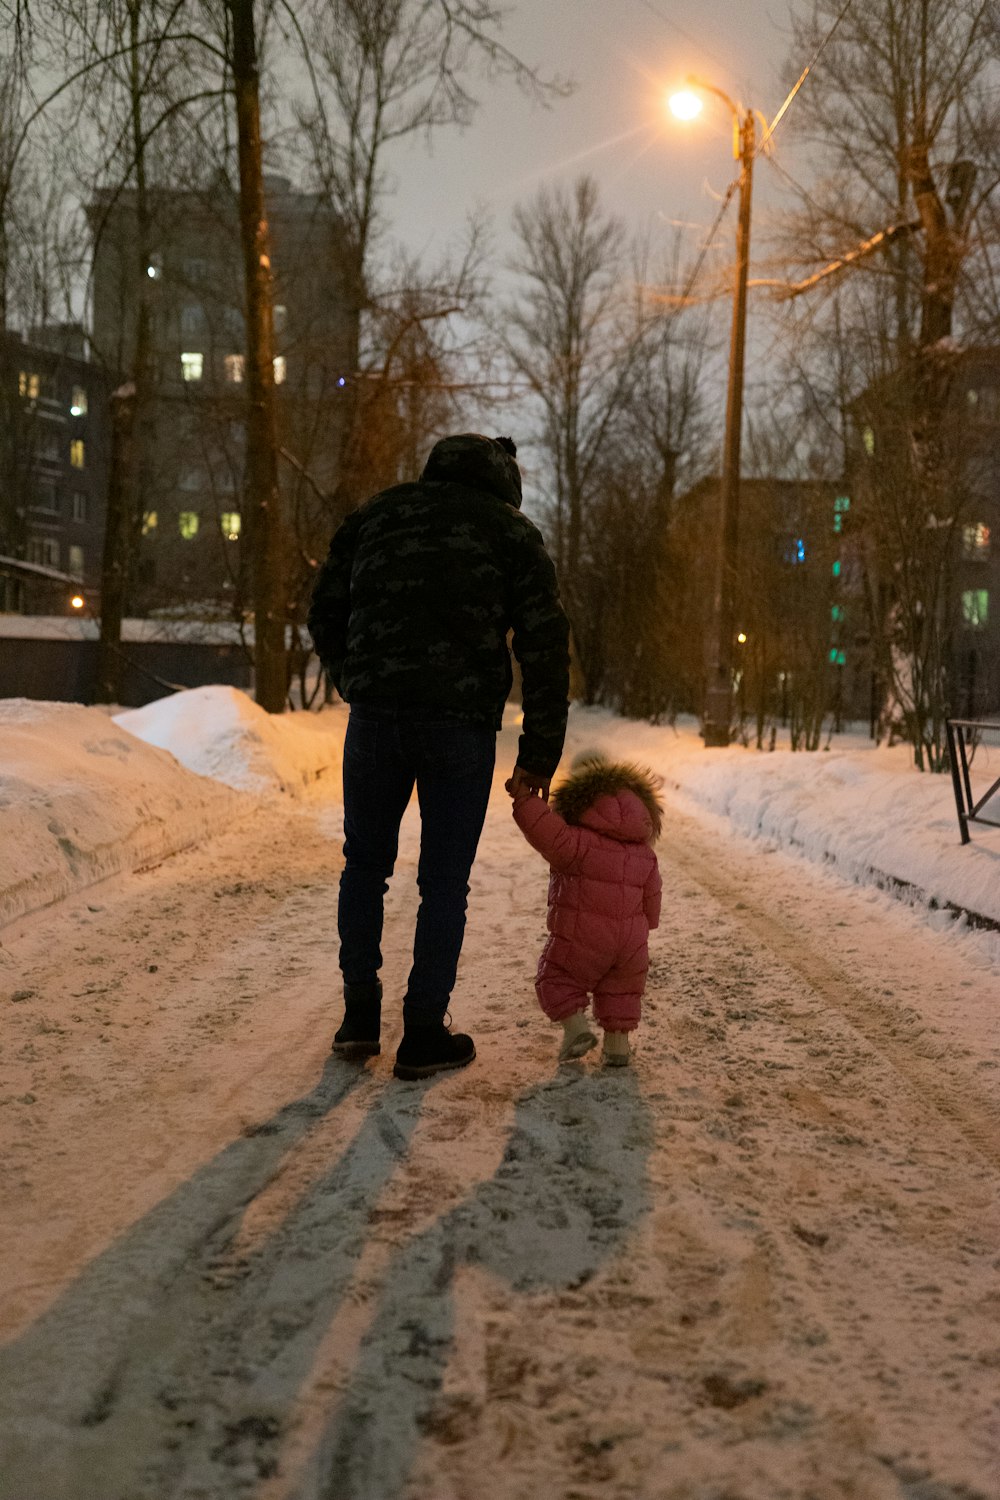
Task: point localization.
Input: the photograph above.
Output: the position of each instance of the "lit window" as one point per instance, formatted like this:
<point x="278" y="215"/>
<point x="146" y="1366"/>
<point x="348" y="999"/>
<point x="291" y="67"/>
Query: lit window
<point x="187" y="524"/>
<point x="280" y="369"/>
<point x="232" y="523"/>
<point x="75" y="567"/>
<point x="836" y="568"/>
<point x="972" y="396"/>
<point x="868" y="439"/>
<point x="975" y="608"/>
<point x="78" y="405"/>
<point x="837" y="658"/>
<point x="77" y="453"/>
<point x="280" y="318"/>
<point x="837" y="612"/>
<point x="28" y="385"/>
<point x="192" y="366"/>
<point x="976" y="540"/>
<point x="234" y="368"/>
<point x="149" y="522"/>
<point x="79" y="503"/>
<point x="841" y="505"/>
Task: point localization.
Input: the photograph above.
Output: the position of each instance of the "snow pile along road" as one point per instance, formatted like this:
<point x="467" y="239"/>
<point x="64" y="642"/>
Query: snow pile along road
<point x="218" y="731"/>
<point x="862" y="809"/>
<point x="81" y="799"/>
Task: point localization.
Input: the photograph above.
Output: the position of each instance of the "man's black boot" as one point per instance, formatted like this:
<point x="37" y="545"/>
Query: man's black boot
<point x="431" y="1048"/>
<point x="358" y="1036"/>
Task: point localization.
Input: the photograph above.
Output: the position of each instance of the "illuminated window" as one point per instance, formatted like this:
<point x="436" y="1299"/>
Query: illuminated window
<point x="234" y="365"/>
<point x="75" y="565"/>
<point x="79" y="504"/>
<point x="280" y="369"/>
<point x="187" y="524"/>
<point x="280" y="318"/>
<point x="975" y="608"/>
<point x="77" y="453"/>
<point x="976" y="540"/>
<point x="841" y="506"/>
<point x="836" y="568"/>
<point x="149" y="522"/>
<point x="837" y="612"/>
<point x="868" y="439"/>
<point x="837" y="658"/>
<point x="78" y="405"/>
<point x="232" y="523"/>
<point x="28" y="384"/>
<point x="192" y="366"/>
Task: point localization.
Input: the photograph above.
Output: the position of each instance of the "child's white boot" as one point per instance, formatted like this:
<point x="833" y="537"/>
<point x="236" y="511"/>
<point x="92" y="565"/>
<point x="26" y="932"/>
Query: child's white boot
<point x="577" y="1037"/>
<point x="616" y="1052"/>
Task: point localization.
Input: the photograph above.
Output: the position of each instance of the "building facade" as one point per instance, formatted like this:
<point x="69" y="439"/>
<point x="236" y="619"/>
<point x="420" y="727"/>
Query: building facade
<point x="54" y="455"/>
<point x="191" y="552"/>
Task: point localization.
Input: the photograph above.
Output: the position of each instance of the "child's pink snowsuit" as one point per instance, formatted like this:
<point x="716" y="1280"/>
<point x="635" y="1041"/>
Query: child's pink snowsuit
<point x="604" y="896"/>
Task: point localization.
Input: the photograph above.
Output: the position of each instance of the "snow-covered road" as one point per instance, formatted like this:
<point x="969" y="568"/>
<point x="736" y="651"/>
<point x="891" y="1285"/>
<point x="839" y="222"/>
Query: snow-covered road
<point x="761" y="1264"/>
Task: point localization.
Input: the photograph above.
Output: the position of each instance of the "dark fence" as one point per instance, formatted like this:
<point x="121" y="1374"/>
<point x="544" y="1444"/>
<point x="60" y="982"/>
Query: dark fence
<point x="65" y="671"/>
<point x="965" y="736"/>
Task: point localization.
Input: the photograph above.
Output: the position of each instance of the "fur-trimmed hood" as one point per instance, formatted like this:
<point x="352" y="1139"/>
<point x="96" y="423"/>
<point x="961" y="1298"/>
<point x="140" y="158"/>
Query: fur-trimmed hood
<point x="617" y="798"/>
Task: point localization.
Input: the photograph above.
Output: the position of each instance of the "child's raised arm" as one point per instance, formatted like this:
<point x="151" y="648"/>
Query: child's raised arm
<point x="554" y="838"/>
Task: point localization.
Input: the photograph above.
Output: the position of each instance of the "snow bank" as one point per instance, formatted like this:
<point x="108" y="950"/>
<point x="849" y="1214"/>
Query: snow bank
<point x="862" y="809"/>
<point x="220" y="732"/>
<point x="81" y="799"/>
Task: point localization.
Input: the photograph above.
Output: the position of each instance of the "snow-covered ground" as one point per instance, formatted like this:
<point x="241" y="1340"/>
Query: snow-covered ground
<point x="761" y="1264"/>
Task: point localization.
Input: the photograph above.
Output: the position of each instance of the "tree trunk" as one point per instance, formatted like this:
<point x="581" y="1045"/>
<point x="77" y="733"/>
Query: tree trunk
<point x="115" y="562"/>
<point x="263" y="500"/>
<point x="130" y="411"/>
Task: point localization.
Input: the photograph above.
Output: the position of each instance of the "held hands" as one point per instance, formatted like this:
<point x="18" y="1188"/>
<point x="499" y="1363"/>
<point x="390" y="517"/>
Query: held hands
<point x="524" y="783"/>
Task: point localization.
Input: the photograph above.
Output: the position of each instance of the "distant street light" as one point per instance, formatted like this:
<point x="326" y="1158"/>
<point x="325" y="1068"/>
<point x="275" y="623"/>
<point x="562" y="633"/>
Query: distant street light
<point x="719" y="655"/>
<point x="77" y="601"/>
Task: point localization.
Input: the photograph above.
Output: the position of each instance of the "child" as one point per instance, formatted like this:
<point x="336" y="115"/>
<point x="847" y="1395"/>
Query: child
<point x="604" y="896"/>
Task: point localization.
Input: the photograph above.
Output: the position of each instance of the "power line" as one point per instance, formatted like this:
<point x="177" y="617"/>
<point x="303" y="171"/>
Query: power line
<point x="675" y="26"/>
<point x="803" y="76"/>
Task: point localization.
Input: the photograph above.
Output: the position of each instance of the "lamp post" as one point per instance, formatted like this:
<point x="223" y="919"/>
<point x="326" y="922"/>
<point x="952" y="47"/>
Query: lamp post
<point x="719" y="653"/>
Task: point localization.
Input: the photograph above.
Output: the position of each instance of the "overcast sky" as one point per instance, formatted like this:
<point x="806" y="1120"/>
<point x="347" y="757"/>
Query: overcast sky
<point x="622" y="57"/>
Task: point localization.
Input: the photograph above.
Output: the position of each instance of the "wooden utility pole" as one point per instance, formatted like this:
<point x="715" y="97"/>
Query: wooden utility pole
<point x="264" y="520"/>
<point x="719" y="683"/>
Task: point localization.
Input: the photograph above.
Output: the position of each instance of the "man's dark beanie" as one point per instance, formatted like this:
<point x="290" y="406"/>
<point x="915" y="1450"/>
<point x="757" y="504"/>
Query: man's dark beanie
<point x="483" y="463"/>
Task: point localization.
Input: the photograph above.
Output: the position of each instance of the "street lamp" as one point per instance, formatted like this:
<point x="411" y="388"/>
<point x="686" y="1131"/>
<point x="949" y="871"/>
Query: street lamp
<point x="719" y="655"/>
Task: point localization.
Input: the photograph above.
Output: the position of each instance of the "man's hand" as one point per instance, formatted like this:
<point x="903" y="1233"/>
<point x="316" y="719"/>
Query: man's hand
<point x="527" y="784"/>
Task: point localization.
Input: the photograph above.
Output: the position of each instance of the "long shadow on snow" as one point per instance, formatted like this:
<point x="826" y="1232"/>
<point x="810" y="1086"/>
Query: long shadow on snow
<point x="571" y="1187"/>
<point x="166" y="1356"/>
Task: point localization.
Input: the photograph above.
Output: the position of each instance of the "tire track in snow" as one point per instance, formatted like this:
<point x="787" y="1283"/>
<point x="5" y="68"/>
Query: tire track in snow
<point x="925" y="1067"/>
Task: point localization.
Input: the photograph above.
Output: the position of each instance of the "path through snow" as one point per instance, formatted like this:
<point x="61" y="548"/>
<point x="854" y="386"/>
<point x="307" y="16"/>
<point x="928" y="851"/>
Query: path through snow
<point x="761" y="1264"/>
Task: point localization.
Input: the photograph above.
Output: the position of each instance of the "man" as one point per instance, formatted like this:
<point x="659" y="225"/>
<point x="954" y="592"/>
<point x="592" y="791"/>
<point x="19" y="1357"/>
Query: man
<point x="410" y="617"/>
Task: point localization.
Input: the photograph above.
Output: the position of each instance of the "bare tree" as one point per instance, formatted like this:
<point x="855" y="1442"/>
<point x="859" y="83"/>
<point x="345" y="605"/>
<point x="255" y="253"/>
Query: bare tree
<point x="919" y="157"/>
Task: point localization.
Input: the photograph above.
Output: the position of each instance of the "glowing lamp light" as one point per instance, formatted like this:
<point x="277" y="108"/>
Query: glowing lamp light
<point x="77" y="601"/>
<point x="742" y="638"/>
<point x="685" y="105"/>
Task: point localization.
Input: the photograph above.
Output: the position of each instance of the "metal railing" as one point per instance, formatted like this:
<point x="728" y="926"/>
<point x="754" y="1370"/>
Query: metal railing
<point x="963" y="733"/>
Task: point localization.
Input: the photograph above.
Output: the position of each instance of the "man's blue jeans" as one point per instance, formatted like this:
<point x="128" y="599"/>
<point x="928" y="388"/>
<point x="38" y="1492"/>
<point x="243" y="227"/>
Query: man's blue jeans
<point x="387" y="751"/>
